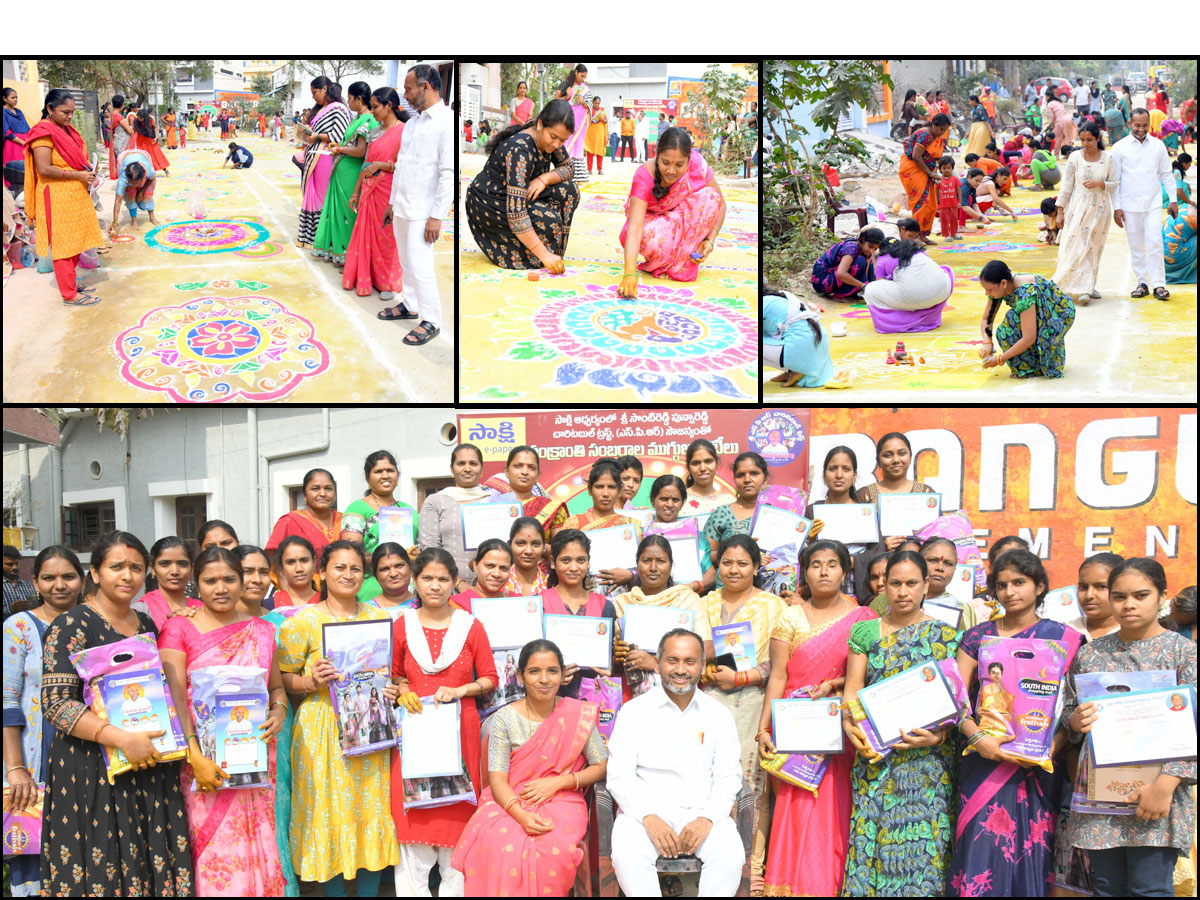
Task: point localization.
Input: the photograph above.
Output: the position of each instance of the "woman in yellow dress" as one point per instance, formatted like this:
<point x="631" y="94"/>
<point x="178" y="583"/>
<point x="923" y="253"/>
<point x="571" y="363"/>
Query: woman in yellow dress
<point x="595" y="143"/>
<point x="341" y="806"/>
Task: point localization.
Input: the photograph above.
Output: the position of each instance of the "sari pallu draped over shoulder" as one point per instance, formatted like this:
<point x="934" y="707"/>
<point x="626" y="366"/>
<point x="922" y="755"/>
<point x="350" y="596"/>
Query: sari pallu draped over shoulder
<point x="810" y="831"/>
<point x="371" y="258"/>
<point x="314" y="179"/>
<point x="495" y="854"/>
<point x="60" y="210"/>
<point x="918" y="187"/>
<point x="233" y="831"/>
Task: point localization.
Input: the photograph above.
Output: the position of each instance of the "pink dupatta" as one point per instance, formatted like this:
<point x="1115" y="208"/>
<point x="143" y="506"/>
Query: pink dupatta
<point x="810" y="832"/>
<point x="495" y="854"/>
<point x="233" y="830"/>
<point x="552" y="602"/>
<point x="160" y="609"/>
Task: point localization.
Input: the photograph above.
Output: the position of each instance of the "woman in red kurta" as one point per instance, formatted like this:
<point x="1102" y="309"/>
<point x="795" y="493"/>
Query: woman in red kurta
<point x="441" y="652"/>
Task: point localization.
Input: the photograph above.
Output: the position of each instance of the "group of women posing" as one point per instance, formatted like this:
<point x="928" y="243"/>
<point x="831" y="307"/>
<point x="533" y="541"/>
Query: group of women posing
<point x="520" y="206"/>
<point x="348" y="163"/>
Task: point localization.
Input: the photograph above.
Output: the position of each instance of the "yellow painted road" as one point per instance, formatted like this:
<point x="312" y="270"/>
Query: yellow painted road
<point x="571" y="338"/>
<point x="257" y="319"/>
<point x="1118" y="349"/>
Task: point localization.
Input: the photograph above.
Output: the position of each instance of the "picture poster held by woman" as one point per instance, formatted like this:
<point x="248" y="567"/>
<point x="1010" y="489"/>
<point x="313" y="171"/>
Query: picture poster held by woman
<point x="361" y="652"/>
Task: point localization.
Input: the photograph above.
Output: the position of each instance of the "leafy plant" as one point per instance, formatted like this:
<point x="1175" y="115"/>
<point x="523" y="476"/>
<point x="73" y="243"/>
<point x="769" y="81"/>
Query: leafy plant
<point x="794" y="207"/>
<point x="338" y="69"/>
<point x="134" y="78"/>
<point x="724" y="93"/>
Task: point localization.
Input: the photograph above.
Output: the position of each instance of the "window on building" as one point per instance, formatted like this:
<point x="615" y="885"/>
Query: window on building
<point x="426" y="487"/>
<point x="190" y="513"/>
<point x="83" y="523"/>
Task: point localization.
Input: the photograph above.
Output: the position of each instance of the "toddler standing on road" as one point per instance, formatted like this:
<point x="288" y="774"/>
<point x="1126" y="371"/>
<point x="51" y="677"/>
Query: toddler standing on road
<point x="948" y="199"/>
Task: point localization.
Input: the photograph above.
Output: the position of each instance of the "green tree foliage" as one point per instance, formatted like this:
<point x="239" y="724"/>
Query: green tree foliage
<point x="261" y="84"/>
<point x="338" y="69"/>
<point x="803" y="99"/>
<point x="724" y="93"/>
<point x="134" y="78"/>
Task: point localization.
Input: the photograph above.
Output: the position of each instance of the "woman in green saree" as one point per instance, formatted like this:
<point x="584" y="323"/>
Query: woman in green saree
<point x="337" y="217"/>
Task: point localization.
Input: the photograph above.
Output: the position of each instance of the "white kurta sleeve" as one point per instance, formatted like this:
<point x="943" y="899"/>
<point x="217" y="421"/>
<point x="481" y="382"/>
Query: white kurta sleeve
<point x="1068" y="182"/>
<point x="727" y="771"/>
<point x="622" y="767"/>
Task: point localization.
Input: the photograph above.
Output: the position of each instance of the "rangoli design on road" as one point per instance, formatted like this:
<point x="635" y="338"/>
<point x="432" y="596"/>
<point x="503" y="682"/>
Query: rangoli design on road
<point x="207" y="236"/>
<point x="221" y="348"/>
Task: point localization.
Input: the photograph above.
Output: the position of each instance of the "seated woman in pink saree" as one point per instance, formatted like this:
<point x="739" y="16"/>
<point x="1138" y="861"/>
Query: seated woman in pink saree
<point x="543" y="753"/>
<point x="810" y="830"/>
<point x="371" y="259"/>
<point x="673" y="215"/>
<point x="232" y="831"/>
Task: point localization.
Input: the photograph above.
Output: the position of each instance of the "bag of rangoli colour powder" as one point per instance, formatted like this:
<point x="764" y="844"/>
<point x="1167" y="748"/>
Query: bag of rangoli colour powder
<point x="605" y="692"/>
<point x="1020" y="683"/>
<point x="956" y="527"/>
<point x="123" y="683"/>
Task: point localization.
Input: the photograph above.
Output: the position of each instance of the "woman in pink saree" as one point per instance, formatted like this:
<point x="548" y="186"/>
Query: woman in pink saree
<point x="543" y="752"/>
<point x="371" y="259"/>
<point x="326" y="127"/>
<point x="232" y="831"/>
<point x="575" y="91"/>
<point x="810" y="830"/>
<point x="673" y="215"/>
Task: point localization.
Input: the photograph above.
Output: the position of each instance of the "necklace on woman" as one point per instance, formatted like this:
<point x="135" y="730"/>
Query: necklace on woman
<point x="528" y="716"/>
<point x="96" y="606"/>
<point x="326" y="530"/>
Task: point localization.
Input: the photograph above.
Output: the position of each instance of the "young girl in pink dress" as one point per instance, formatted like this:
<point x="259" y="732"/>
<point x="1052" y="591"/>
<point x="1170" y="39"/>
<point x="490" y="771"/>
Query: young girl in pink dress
<point x="673" y="215"/>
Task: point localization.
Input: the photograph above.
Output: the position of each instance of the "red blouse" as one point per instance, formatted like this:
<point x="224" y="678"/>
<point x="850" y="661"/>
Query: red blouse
<point x="441" y="826"/>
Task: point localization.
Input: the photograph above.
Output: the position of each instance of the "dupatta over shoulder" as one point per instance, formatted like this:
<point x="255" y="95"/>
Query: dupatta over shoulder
<point x="495" y="854"/>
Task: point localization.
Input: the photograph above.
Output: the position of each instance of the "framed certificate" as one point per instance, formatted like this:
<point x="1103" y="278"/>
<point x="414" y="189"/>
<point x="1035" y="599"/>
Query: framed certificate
<point x="645" y="625"/>
<point x="430" y="744"/>
<point x="509" y="621"/>
<point x="1062" y="605"/>
<point x="774" y="528"/>
<point x="950" y="614"/>
<point x="481" y="520"/>
<point x="685" y="556"/>
<point x="584" y="641"/>
<point x="907" y="513"/>
<point x="807" y="726"/>
<point x="613" y="548"/>
<point x="396" y="524"/>
<point x="962" y="583"/>
<point x="1145" y="727"/>
<point x="850" y="523"/>
<point x="915" y="698"/>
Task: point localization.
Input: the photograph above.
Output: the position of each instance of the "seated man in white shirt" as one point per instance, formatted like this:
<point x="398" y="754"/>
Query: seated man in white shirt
<point x="674" y="773"/>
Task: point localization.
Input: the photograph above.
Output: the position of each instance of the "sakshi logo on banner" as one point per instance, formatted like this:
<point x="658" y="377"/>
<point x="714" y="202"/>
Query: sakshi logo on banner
<point x="495" y="437"/>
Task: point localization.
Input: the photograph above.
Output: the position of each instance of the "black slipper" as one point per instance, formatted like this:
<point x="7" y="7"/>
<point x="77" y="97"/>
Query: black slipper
<point x="419" y="338"/>
<point x="391" y="313"/>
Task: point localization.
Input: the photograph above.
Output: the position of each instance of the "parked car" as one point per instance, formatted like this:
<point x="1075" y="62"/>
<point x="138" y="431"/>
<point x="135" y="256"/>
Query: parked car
<point x="1058" y="87"/>
<point x="1138" y="81"/>
<point x="1116" y="81"/>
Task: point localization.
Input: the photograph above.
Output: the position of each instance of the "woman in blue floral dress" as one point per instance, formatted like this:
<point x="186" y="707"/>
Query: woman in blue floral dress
<point x="1032" y="336"/>
<point x="845" y="268"/>
<point x="902" y="824"/>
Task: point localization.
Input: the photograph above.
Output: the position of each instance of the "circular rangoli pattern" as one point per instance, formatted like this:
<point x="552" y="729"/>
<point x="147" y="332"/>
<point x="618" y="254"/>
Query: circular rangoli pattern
<point x="207" y="236"/>
<point x="663" y="330"/>
<point x="221" y="348"/>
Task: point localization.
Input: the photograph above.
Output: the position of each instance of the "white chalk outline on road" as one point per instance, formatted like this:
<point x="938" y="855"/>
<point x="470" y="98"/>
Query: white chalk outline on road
<point x="352" y="314"/>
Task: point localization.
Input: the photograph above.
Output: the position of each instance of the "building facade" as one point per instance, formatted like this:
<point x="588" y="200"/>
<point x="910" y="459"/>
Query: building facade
<point x="181" y="467"/>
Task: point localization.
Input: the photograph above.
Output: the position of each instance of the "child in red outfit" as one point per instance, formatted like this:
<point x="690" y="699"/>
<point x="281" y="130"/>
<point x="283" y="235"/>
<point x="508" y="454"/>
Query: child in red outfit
<point x="949" y="191"/>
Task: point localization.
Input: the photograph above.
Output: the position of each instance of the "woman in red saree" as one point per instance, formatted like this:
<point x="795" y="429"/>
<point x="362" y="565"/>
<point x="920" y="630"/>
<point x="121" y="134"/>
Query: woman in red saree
<point x="371" y="259"/>
<point x="543" y="752"/>
<point x="810" y="830"/>
<point x="233" y="831"/>
<point x="919" y="172"/>
<point x="673" y="215"/>
<point x="317" y="522"/>
<point x="144" y="131"/>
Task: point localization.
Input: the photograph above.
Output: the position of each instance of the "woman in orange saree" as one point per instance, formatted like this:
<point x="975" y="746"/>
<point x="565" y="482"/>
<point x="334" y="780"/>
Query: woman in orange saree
<point x="371" y="259"/>
<point x="543" y="751"/>
<point x="810" y="830"/>
<point x="918" y="172"/>
<point x="172" y="129"/>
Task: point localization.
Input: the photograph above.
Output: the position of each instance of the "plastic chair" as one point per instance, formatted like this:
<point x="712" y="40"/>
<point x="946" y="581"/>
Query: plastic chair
<point x="586" y="884"/>
<point x="837" y="209"/>
<point x="605" y="815"/>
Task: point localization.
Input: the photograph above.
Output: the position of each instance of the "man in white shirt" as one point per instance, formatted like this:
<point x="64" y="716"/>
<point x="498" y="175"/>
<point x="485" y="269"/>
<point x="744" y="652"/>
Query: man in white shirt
<point x="642" y="136"/>
<point x="1031" y="92"/>
<point x="421" y="191"/>
<point x="1083" y="101"/>
<point x="1143" y="173"/>
<point x="614" y="136"/>
<point x="674" y="771"/>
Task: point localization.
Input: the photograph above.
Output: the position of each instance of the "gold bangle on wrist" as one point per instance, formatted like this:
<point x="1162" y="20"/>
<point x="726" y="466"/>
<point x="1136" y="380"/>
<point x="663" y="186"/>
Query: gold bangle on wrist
<point x="96" y="733"/>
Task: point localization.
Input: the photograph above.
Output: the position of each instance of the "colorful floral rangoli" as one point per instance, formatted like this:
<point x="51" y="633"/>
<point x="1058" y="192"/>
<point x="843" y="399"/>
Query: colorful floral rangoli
<point x="207" y="236"/>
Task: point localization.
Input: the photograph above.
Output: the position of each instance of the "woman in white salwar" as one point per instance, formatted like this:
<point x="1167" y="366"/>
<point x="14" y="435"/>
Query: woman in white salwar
<point x="907" y="278"/>
<point x="1084" y="208"/>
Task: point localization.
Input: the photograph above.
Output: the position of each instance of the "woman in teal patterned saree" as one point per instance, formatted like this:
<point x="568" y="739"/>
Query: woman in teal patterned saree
<point x="902" y="823"/>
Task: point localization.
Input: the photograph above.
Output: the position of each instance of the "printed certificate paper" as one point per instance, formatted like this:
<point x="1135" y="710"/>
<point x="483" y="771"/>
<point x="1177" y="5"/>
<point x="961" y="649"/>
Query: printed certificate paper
<point x="774" y="528"/>
<point x="645" y="625"/>
<point x="807" y="726"/>
<point x="509" y="621"/>
<point x="915" y="698"/>
<point x="1145" y="727"/>
<point x="396" y="525"/>
<point x="962" y="583"/>
<point x="613" y="548"/>
<point x="907" y="513"/>
<point x="685" y="556"/>
<point x="584" y="641"/>
<point x="481" y="520"/>
<point x="1062" y="605"/>
<point x="429" y="741"/>
<point x="850" y="523"/>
